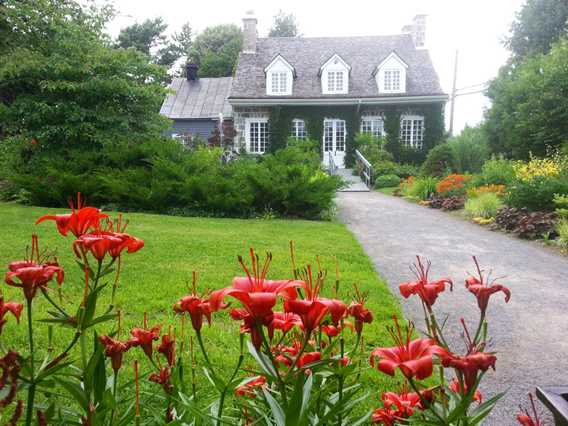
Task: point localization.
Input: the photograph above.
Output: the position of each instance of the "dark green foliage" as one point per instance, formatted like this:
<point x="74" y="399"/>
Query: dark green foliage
<point x="216" y="50"/>
<point x="284" y="25"/>
<point x="143" y="37"/>
<point x="439" y="161"/>
<point x="406" y="170"/>
<point x="537" y="193"/>
<point x="538" y="24"/>
<point x="392" y="130"/>
<point x="412" y="156"/>
<point x="162" y="176"/>
<point x="469" y="150"/>
<point x="529" y="105"/>
<point x="387" y="181"/>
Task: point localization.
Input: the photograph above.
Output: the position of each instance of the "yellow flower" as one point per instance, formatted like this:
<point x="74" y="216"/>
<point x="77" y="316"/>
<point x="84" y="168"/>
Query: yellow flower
<point x="545" y="167"/>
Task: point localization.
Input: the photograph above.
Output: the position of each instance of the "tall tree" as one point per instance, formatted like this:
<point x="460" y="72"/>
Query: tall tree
<point x="284" y="25"/>
<point x="143" y="37"/>
<point x="216" y="50"/>
<point x="537" y="26"/>
<point x="529" y="112"/>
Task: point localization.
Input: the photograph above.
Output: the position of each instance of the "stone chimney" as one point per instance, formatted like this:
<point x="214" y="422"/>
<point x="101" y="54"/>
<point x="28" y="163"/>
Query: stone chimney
<point x="417" y="30"/>
<point x="249" y="33"/>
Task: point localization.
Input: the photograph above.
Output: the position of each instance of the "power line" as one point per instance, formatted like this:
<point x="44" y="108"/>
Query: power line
<point x="472" y="86"/>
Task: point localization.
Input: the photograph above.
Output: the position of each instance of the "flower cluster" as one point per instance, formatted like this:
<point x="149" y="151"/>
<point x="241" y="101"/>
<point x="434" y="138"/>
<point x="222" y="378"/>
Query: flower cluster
<point x="417" y="358"/>
<point x="537" y="167"/>
<point x="452" y="184"/>
<point x="485" y="189"/>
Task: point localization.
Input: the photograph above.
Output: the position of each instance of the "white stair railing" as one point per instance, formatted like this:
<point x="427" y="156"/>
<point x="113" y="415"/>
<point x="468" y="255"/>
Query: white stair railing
<point x="365" y="168"/>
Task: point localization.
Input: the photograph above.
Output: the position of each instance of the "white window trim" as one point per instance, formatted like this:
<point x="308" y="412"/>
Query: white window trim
<point x="373" y="118"/>
<point x="248" y="122"/>
<point x="294" y="130"/>
<point x="335" y="64"/>
<point x="279" y="65"/>
<point x="412" y="143"/>
<point x="391" y="63"/>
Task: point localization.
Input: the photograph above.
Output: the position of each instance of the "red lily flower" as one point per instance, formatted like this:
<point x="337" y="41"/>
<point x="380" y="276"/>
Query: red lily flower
<point x="455" y="387"/>
<point x="358" y="311"/>
<point x="98" y="243"/>
<point x="284" y="321"/>
<point x="330" y="330"/>
<point x="114" y="349"/>
<point x="313" y="309"/>
<point x="162" y="378"/>
<point x="248" y="389"/>
<point x="32" y="274"/>
<point x="529" y="419"/>
<point x="397" y="407"/>
<point x="470" y="365"/>
<point x="144" y="337"/>
<point x="12" y="307"/>
<point x="256" y="294"/>
<point x="168" y="348"/>
<point x="79" y="221"/>
<point x="308" y="358"/>
<point x="483" y="290"/>
<point x="196" y="307"/>
<point x="427" y="291"/>
<point x="413" y="358"/>
<point x="129" y="243"/>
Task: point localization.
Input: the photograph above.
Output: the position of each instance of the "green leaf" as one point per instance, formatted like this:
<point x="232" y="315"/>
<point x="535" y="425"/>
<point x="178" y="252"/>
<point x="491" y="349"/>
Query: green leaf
<point x="484" y="409"/>
<point x="275" y="408"/>
<point x="75" y="390"/>
<point x="263" y="361"/>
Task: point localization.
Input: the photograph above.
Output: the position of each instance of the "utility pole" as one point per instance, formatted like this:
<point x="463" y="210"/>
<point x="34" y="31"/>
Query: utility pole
<point x="453" y="95"/>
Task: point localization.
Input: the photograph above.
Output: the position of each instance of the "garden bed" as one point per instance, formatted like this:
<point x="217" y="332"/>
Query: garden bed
<point x="157" y="276"/>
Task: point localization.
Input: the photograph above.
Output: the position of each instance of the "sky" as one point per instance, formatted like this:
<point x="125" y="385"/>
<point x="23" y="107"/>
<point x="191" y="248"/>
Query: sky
<point x="475" y="28"/>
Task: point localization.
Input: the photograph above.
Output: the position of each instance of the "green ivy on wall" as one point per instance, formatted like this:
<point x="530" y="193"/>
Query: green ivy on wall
<point x="281" y="121"/>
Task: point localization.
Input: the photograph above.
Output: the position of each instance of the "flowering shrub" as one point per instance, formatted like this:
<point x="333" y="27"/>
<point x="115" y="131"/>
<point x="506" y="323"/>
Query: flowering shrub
<point x="537" y="167"/>
<point x="453" y="184"/>
<point x="484" y="189"/>
<point x="296" y="364"/>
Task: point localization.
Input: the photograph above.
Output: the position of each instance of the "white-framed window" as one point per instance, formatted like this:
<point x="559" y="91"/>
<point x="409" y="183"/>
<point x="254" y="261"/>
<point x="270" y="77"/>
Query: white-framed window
<point x="392" y="80"/>
<point x="335" y="76"/>
<point x="373" y="125"/>
<point x="298" y="129"/>
<point x="412" y="131"/>
<point x="279" y="77"/>
<point x="279" y="84"/>
<point x="335" y="81"/>
<point x="391" y="75"/>
<point x="257" y="135"/>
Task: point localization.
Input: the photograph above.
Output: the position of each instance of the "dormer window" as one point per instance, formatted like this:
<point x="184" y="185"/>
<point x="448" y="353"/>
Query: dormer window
<point x="279" y="83"/>
<point x="279" y="77"/>
<point x="391" y="75"/>
<point x="392" y="80"/>
<point x="335" y="76"/>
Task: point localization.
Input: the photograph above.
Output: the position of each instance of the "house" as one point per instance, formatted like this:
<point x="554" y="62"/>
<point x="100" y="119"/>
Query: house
<point x="199" y="108"/>
<point x="330" y="88"/>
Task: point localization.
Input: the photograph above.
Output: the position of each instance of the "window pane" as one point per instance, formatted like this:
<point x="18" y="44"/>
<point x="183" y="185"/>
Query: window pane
<point x="406" y="132"/>
<point x="373" y="126"/>
<point x="340" y="135"/>
<point x="327" y="136"/>
<point x="396" y="80"/>
<point x="331" y="81"/>
<point x="338" y="81"/>
<point x="298" y="129"/>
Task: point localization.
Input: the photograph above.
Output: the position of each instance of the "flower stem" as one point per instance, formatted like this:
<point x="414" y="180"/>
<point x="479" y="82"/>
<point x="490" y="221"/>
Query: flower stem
<point x="113" y="396"/>
<point x="341" y="377"/>
<point x="31" y="389"/>
<point x="281" y="383"/>
<point x="224" y="393"/>
<point x="203" y="351"/>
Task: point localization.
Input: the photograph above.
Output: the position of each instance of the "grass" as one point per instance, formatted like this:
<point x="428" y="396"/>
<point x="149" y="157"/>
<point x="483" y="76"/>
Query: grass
<point x="157" y="276"/>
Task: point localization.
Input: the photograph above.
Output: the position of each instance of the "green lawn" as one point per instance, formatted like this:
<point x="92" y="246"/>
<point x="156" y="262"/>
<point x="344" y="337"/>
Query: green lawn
<point x="388" y="191"/>
<point x="157" y="276"/>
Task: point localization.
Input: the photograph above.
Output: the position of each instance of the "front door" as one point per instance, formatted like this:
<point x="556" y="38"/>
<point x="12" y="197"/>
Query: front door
<point x="334" y="142"/>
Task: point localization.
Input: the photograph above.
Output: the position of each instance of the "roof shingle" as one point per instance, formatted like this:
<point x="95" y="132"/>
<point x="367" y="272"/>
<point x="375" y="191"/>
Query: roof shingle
<point x="307" y="55"/>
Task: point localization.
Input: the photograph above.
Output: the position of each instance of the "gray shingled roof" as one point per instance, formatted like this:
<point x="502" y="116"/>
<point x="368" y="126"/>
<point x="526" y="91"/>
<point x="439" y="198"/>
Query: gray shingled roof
<point x="307" y="55"/>
<point x="201" y="98"/>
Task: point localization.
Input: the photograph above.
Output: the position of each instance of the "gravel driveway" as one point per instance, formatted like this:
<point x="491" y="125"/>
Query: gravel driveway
<point x="529" y="333"/>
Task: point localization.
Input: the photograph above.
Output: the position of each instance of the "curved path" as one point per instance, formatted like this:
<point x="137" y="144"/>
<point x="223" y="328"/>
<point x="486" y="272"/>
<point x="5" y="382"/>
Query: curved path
<point x="529" y="333"/>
